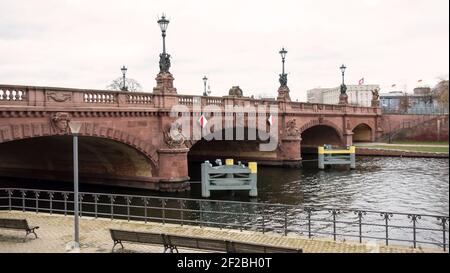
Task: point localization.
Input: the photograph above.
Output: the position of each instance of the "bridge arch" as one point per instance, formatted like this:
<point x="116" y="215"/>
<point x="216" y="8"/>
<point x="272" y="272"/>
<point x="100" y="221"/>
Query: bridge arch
<point x="317" y="133"/>
<point x="22" y="131"/>
<point x="363" y="133"/>
<point x="37" y="151"/>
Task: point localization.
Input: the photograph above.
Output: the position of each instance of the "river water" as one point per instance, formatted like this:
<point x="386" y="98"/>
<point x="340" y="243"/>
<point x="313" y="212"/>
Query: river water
<point x="405" y="185"/>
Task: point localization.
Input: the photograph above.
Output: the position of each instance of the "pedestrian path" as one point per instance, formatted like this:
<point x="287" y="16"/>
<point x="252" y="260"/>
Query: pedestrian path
<point x="57" y="230"/>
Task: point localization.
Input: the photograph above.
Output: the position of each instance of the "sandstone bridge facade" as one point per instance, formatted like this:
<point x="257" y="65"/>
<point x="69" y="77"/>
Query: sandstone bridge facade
<point x="123" y="138"/>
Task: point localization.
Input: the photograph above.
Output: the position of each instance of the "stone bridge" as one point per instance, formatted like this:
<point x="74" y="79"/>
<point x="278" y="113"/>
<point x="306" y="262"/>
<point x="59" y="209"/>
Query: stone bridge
<point x="124" y="138"/>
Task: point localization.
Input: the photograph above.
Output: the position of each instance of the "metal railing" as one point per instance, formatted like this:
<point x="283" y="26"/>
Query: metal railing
<point x="359" y="225"/>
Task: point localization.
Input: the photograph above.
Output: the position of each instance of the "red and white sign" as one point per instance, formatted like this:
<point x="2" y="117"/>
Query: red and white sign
<point x="270" y="120"/>
<point x="203" y="121"/>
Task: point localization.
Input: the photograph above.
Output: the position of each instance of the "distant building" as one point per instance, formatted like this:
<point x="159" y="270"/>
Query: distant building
<point x="360" y="95"/>
<point x="420" y="102"/>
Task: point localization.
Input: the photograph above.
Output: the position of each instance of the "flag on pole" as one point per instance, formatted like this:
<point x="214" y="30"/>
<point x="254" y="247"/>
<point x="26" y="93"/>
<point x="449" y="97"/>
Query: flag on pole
<point x="203" y="121"/>
<point x="361" y="81"/>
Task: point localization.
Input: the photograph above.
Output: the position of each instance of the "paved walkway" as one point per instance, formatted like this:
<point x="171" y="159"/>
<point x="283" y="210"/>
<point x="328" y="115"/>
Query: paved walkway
<point x="57" y="230"/>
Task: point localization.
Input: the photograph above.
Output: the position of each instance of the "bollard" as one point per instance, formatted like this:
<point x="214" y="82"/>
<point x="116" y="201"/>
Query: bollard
<point x="352" y="157"/>
<point x="253" y="166"/>
<point x="321" y="158"/>
<point x="205" y="186"/>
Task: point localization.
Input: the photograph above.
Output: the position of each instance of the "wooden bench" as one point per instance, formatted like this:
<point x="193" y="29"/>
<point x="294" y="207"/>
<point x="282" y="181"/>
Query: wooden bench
<point x="171" y="243"/>
<point x="19" y="224"/>
<point x="119" y="236"/>
<point x="241" y="247"/>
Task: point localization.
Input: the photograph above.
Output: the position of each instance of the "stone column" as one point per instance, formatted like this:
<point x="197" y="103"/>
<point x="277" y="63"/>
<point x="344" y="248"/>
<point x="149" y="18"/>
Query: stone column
<point x="173" y="169"/>
<point x="283" y="93"/>
<point x="164" y="84"/>
<point x="289" y="151"/>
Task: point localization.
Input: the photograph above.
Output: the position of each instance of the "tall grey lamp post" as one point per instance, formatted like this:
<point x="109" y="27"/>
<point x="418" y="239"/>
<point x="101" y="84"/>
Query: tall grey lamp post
<point x="124" y="71"/>
<point x="205" y="79"/>
<point x="75" y="127"/>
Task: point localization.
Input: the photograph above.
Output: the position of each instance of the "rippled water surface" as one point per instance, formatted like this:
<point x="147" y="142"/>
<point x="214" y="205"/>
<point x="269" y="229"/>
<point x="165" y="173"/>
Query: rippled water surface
<point x="419" y="185"/>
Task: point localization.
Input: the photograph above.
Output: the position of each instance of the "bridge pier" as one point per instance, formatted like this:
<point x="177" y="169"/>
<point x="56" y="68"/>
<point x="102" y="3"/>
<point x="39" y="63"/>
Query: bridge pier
<point x="289" y="152"/>
<point x="173" y="169"/>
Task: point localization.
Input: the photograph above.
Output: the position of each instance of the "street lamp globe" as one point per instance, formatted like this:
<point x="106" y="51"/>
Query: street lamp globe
<point x="163" y="23"/>
<point x="343" y="67"/>
<point x="124" y="70"/>
<point x="283" y="53"/>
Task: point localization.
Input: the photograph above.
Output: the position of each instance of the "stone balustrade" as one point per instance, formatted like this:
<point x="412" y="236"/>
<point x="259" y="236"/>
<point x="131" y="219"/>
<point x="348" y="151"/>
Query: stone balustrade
<point x="69" y="97"/>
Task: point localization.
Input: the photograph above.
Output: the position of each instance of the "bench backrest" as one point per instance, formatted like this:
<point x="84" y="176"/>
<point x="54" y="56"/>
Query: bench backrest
<point x="14" y="223"/>
<point x="239" y="247"/>
<point x="199" y="243"/>
<point x="137" y="237"/>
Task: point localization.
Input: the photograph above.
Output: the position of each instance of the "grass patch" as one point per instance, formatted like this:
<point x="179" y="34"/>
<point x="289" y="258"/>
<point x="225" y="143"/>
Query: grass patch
<point x="413" y="142"/>
<point x="411" y="149"/>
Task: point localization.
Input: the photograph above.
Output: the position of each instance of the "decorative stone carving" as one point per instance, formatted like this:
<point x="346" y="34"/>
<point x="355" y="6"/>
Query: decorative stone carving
<point x="235" y="91"/>
<point x="59" y="96"/>
<point x="375" y="98"/>
<point x="321" y="117"/>
<point x="292" y="129"/>
<point x="283" y="93"/>
<point x="164" y="62"/>
<point x="173" y="136"/>
<point x="60" y="122"/>
<point x="164" y="84"/>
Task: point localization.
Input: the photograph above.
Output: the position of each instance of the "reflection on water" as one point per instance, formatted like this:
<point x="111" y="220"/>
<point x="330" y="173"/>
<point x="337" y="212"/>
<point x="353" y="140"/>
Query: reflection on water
<point x="410" y="185"/>
<point x="379" y="183"/>
<point x="419" y="185"/>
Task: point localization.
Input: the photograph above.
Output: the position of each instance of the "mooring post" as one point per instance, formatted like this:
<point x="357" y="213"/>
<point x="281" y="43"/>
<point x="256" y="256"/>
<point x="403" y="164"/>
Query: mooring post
<point x="321" y="151"/>
<point x="253" y="166"/>
<point x="352" y="157"/>
<point x="205" y="179"/>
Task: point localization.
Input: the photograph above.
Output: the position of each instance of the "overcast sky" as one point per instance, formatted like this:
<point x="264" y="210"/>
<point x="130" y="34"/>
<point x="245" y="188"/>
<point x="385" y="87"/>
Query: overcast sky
<point x="83" y="43"/>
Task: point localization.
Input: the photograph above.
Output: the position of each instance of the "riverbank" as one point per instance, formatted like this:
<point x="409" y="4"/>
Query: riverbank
<point x="403" y="150"/>
<point x="57" y="230"/>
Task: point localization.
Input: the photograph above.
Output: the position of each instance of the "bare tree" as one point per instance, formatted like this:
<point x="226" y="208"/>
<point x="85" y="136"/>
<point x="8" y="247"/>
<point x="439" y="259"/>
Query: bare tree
<point x="131" y="84"/>
<point x="441" y="92"/>
<point x="405" y="103"/>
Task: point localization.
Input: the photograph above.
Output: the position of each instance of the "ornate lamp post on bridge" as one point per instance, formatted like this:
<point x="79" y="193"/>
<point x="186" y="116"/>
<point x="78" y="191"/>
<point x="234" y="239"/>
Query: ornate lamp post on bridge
<point x="206" y="92"/>
<point x="164" y="79"/>
<point x="343" y="98"/>
<point x="283" y="90"/>
<point x="75" y="127"/>
<point x="124" y="71"/>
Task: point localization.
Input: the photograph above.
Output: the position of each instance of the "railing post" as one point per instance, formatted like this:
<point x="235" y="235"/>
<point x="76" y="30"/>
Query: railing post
<point x="263" y="220"/>
<point x="181" y="211"/>
<point x="36" y="195"/>
<point x="240" y="217"/>
<point x="309" y="212"/>
<point x="285" y="221"/>
<point x="386" y="216"/>
<point x="111" y="200"/>
<point x="163" y="205"/>
<point x="201" y="212"/>
<point x="360" y="214"/>
<point x="9" y="199"/>
<point x="145" y="208"/>
<point x="414" y="218"/>
<point x="334" y="212"/>
<point x="221" y="216"/>
<point x="444" y="221"/>
<point x="65" y="196"/>
<point x="50" y="195"/>
<point x="128" y="201"/>
<point x="80" y="204"/>
<point x="95" y="205"/>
